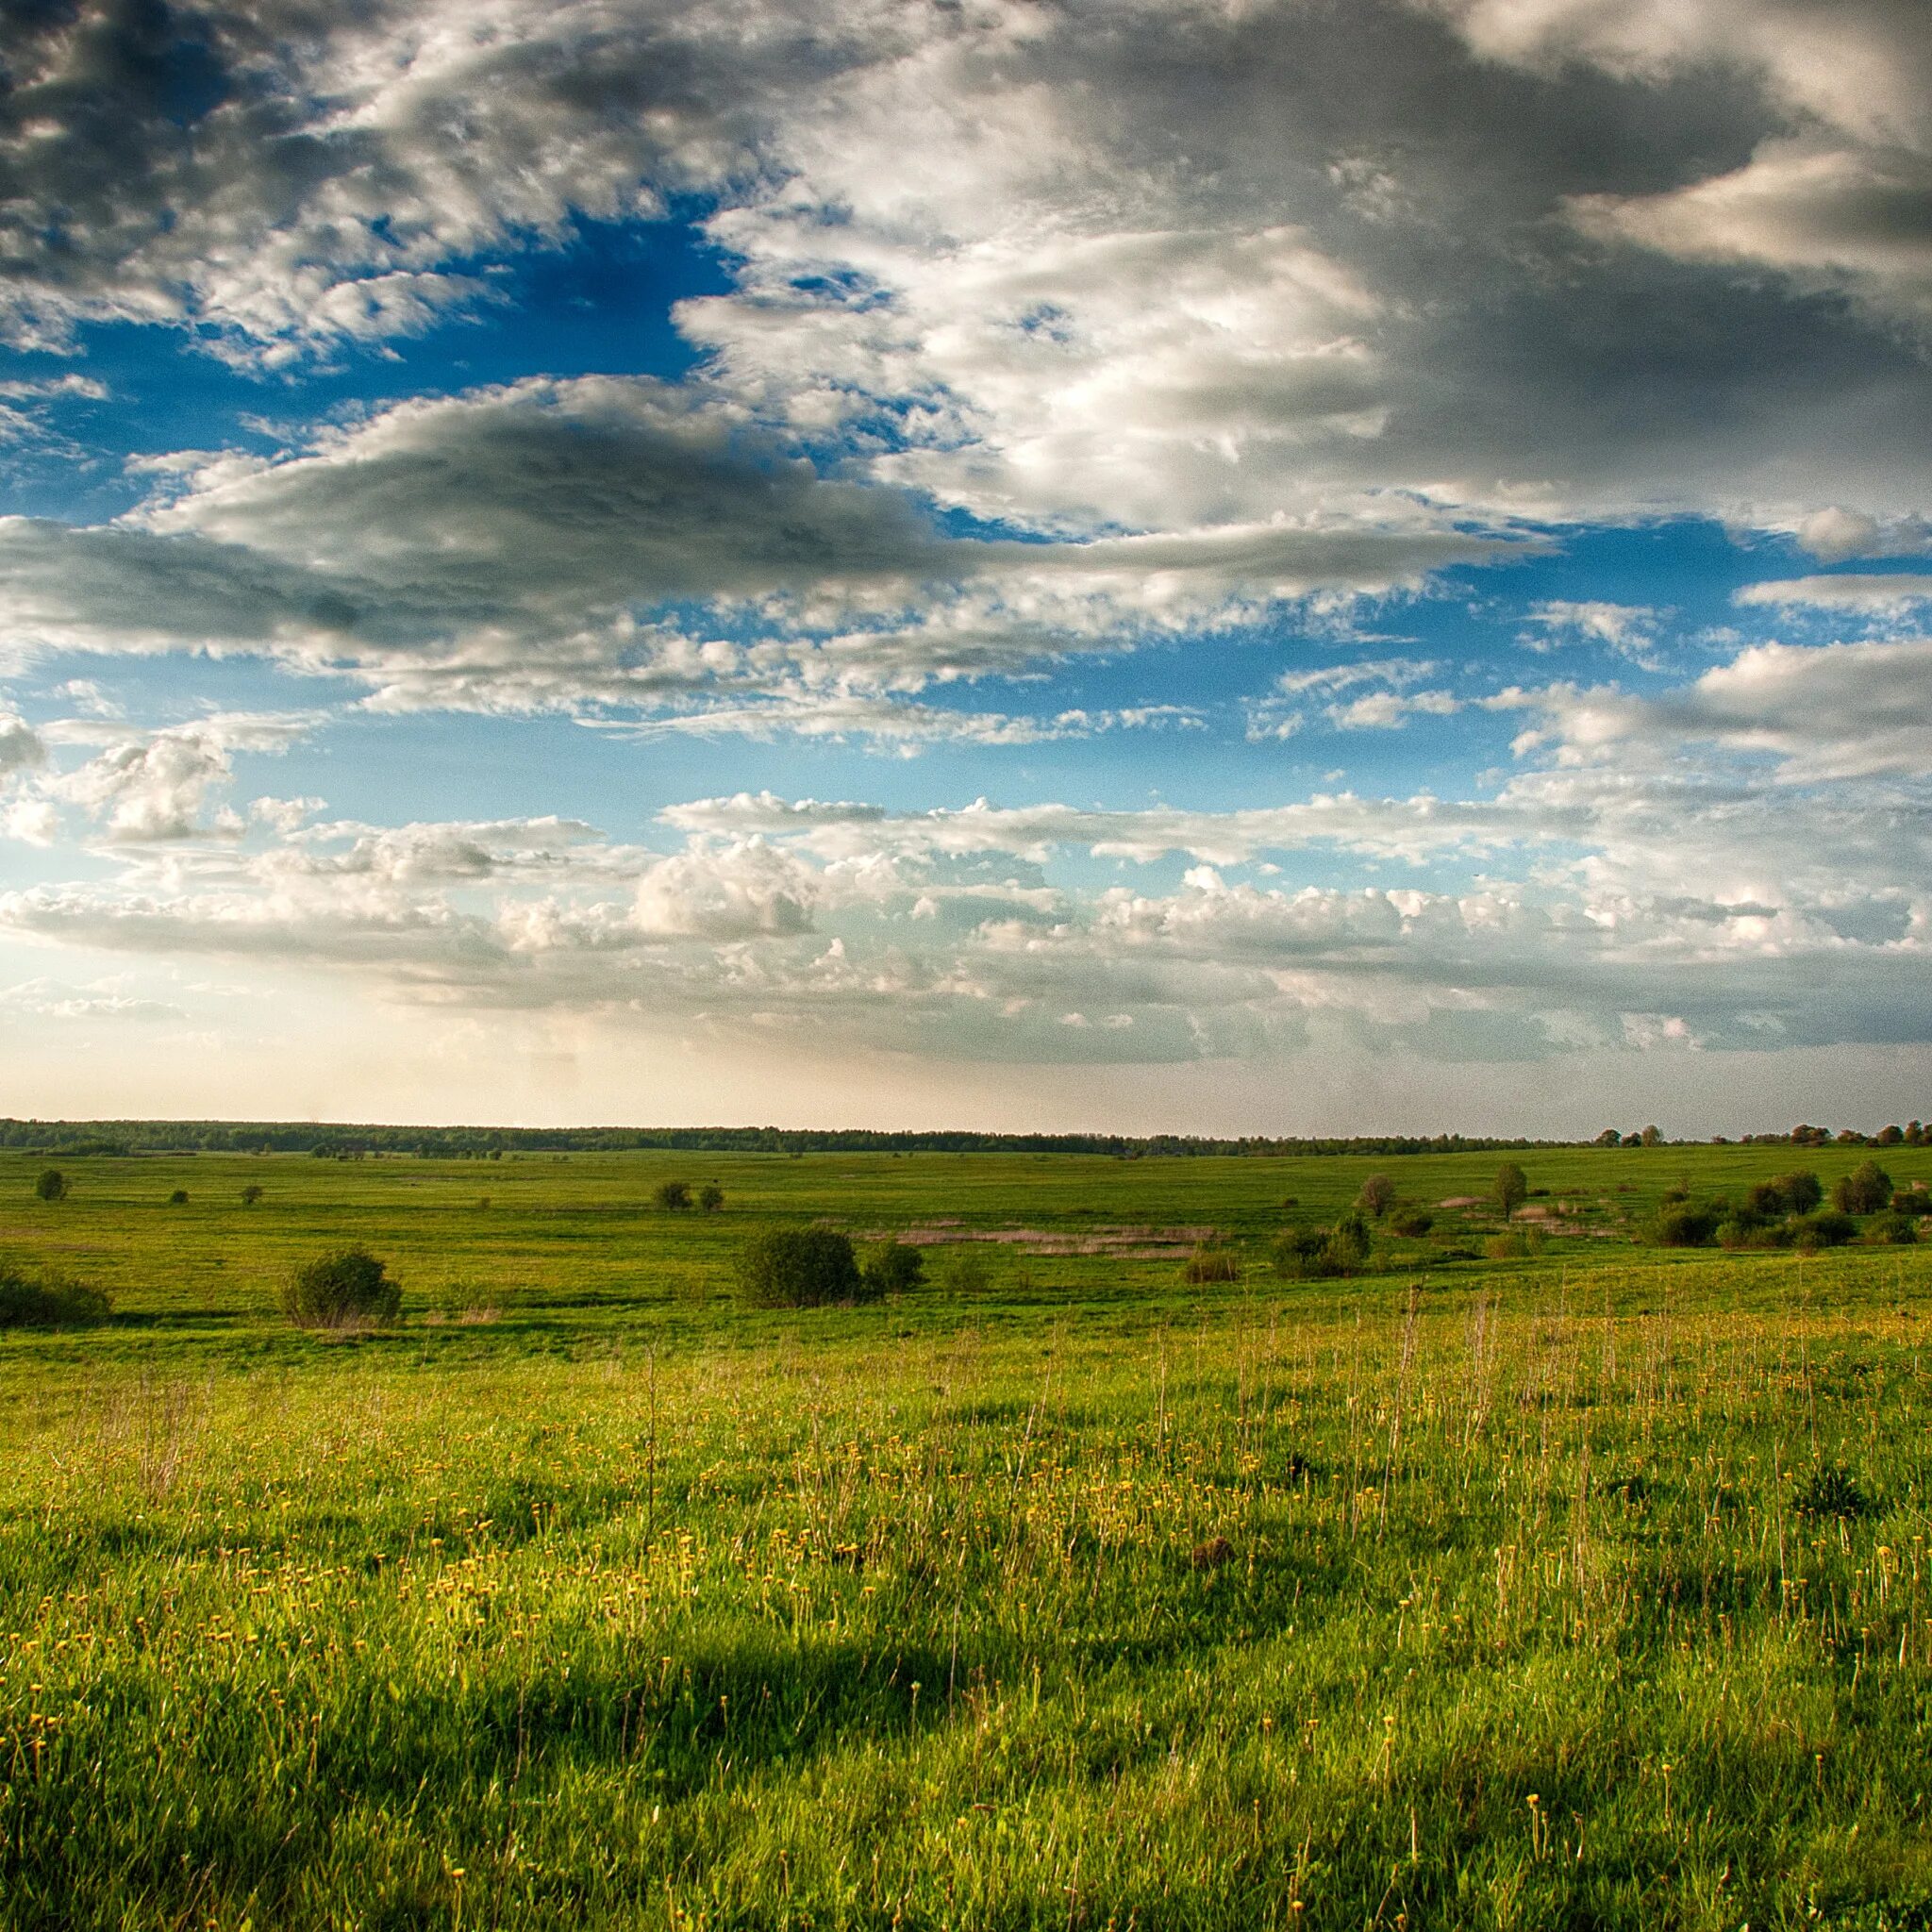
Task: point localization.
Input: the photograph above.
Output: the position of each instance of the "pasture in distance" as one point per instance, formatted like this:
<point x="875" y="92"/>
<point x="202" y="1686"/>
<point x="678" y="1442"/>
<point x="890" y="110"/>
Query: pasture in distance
<point x="1588" y="1587"/>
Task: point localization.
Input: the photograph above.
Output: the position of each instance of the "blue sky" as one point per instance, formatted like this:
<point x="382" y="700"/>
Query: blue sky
<point x="1262" y="569"/>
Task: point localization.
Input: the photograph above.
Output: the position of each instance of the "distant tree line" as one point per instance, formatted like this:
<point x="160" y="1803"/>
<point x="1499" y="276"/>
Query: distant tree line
<point x="356" y="1142"/>
<point x="347" y="1142"/>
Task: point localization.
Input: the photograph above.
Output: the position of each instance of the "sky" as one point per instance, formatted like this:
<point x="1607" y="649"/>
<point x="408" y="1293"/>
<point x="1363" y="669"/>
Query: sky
<point x="1136" y="565"/>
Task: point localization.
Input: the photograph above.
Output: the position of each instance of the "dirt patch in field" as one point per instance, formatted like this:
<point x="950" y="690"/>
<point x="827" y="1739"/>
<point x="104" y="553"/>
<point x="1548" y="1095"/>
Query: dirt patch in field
<point x="1464" y="1201"/>
<point x="1121" y="1242"/>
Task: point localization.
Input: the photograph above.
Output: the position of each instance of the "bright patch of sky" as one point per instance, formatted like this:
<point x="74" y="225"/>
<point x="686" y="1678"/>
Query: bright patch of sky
<point x="1119" y="565"/>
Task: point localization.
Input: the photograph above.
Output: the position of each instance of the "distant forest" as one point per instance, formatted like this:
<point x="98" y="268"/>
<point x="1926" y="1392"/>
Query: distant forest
<point x="333" y="1140"/>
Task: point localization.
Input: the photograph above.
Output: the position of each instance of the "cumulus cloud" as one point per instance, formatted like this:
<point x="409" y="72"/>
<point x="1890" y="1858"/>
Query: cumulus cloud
<point x="739" y="891"/>
<point x="1843" y="711"/>
<point x="21" y="748"/>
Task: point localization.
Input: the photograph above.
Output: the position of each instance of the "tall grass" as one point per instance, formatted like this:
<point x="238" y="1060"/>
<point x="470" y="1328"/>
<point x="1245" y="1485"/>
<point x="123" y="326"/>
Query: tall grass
<point x="1517" y="1623"/>
<point x="1588" y="1588"/>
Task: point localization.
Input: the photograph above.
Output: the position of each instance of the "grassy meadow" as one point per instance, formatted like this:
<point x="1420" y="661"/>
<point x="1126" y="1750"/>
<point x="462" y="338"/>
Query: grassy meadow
<point x="1586" y="1588"/>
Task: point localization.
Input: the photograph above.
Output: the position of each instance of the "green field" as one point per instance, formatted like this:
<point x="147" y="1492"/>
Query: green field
<point x="1588" y="1588"/>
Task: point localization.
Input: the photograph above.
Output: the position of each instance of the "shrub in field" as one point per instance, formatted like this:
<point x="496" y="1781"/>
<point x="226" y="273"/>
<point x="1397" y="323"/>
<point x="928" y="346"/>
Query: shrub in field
<point x="1830" y="1490"/>
<point x="894" y="1269"/>
<point x="674" y="1196"/>
<point x="1509" y="1189"/>
<point x="1682" y="1226"/>
<point x="1789" y="1194"/>
<point x="1827" y="1228"/>
<point x="1893" y="1230"/>
<point x="336" y="1289"/>
<point x="178" y="1198"/>
<point x="799" y="1268"/>
<point x="1865" y="1190"/>
<point x="1211" y="1264"/>
<point x="967" y="1272"/>
<point x="710" y="1197"/>
<point x="1411" y="1224"/>
<point x="251" y="1193"/>
<point x="52" y="1185"/>
<point x="1297" y="1252"/>
<point x="1313" y="1254"/>
<point x="1912" y="1200"/>
<point x="45" y="1301"/>
<point x="1348" y="1242"/>
<point x="1377" y="1196"/>
<point x="1520" y="1244"/>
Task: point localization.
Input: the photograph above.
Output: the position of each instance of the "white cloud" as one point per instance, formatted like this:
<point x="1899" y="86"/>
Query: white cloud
<point x="1828" y="711"/>
<point x="21" y="748"/>
<point x="732" y="893"/>
<point x="1389" y="710"/>
<point x="1890" y="595"/>
<point x="153" y="786"/>
<point x="1628" y="629"/>
<point x="1826" y="217"/>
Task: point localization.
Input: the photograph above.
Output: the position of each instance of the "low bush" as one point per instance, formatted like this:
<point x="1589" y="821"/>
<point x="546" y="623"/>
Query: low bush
<point x="1827" y="1228"/>
<point x="45" y="1301"/>
<point x="51" y="1186"/>
<point x="1893" y="1230"/>
<point x="1683" y="1225"/>
<point x="1830" y="1490"/>
<point x="178" y="1198"/>
<point x="1521" y="1245"/>
<point x="894" y="1269"/>
<point x="1211" y="1264"/>
<point x="251" y="1193"/>
<point x="710" y="1197"/>
<point x="1313" y="1254"/>
<point x="799" y="1268"/>
<point x="674" y="1196"/>
<point x="1411" y="1224"/>
<point x="968" y="1271"/>
<point x="340" y="1290"/>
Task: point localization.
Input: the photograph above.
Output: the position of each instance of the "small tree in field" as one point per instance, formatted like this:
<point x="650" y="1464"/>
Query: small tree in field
<point x="799" y="1268"/>
<point x="52" y="1185"/>
<point x="1864" y="1190"/>
<point x="1377" y="1196"/>
<point x="1788" y="1194"/>
<point x="1510" y="1189"/>
<point x="352" y="1286"/>
<point x="251" y="1193"/>
<point x="674" y="1196"/>
<point x="710" y="1197"/>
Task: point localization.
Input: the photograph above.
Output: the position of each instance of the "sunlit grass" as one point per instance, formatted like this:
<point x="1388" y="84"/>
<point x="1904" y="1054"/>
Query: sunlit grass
<point x="636" y="1606"/>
